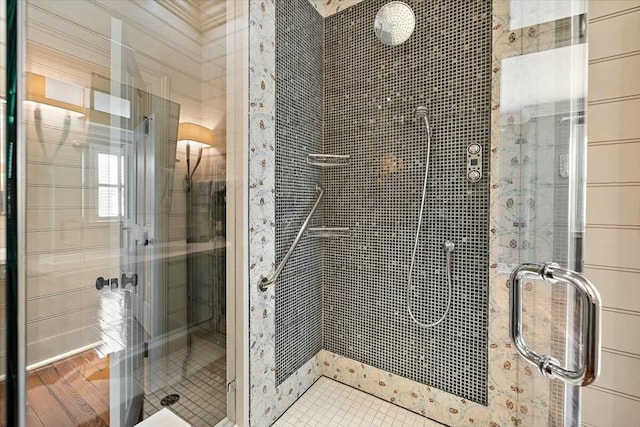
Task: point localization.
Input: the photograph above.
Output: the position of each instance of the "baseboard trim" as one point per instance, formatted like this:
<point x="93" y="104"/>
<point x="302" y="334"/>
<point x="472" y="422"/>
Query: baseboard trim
<point x="56" y="358"/>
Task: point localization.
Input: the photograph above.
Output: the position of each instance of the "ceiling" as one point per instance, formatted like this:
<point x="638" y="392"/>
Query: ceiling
<point x="203" y="15"/>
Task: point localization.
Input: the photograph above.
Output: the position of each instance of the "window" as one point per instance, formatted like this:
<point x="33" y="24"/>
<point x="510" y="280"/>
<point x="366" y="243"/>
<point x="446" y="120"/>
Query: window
<point x="110" y="185"/>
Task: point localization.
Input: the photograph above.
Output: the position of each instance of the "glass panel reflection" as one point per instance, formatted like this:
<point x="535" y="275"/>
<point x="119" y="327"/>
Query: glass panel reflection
<point x="126" y="230"/>
<point x="542" y="117"/>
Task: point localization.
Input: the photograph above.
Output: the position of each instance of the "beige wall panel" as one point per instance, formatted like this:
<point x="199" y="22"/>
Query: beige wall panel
<point x="142" y="32"/>
<point x="42" y="330"/>
<point x="178" y="231"/>
<point x="65" y="175"/>
<point x="615" y="36"/>
<point x="53" y="346"/>
<point x="615" y="78"/>
<point x="614" y="121"/>
<point x="618" y="289"/>
<point x="64" y="282"/>
<point x="61" y="303"/>
<point x="73" y="236"/>
<point x="43" y="264"/>
<point x="600" y="8"/>
<point x="53" y="218"/>
<point x="622" y="205"/>
<point x="621" y="331"/>
<point x="62" y="197"/>
<point x="613" y="163"/>
<point x="602" y="409"/>
<point x="612" y="247"/>
<point x="620" y="373"/>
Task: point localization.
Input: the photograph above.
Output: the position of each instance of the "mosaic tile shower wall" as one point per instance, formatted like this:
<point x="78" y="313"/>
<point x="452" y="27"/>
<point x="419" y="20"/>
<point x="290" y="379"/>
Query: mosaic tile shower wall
<point x="298" y="325"/>
<point x="370" y="93"/>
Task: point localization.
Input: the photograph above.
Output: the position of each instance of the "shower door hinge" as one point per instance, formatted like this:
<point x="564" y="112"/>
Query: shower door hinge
<point x="145" y="350"/>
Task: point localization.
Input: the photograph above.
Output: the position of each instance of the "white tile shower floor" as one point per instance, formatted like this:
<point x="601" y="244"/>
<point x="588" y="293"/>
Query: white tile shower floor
<point x="329" y="403"/>
<point x="203" y="391"/>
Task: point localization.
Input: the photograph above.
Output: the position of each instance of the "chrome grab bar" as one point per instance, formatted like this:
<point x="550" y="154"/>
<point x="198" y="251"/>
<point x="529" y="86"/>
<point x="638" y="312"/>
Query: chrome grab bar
<point x="589" y="368"/>
<point x="266" y="282"/>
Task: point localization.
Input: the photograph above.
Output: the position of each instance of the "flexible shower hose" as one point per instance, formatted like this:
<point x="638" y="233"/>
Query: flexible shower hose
<point x="448" y="248"/>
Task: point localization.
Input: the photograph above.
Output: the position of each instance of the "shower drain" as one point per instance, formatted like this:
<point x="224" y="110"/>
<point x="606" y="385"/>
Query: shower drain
<point x="170" y="399"/>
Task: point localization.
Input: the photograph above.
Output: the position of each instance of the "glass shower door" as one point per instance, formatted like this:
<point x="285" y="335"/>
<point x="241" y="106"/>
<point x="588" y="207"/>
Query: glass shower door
<point x="101" y="259"/>
<point x="127" y="161"/>
<point x="101" y="149"/>
<point x="554" y="310"/>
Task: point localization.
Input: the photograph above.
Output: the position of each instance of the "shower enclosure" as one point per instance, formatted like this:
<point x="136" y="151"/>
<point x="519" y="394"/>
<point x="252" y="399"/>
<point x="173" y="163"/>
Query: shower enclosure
<point x="502" y="85"/>
<point x="379" y="186"/>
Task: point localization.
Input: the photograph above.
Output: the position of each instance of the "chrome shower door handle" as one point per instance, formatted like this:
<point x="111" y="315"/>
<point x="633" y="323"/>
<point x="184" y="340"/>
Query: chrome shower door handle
<point x="589" y="359"/>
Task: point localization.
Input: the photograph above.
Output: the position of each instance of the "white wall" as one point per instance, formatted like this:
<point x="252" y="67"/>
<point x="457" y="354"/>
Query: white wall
<point x="612" y="253"/>
<point x="67" y="247"/>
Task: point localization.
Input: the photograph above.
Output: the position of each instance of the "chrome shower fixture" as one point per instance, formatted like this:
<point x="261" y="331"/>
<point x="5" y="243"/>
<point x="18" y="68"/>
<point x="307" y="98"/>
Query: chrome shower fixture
<point x="448" y="246"/>
<point x="422" y="112"/>
<point x="394" y="23"/>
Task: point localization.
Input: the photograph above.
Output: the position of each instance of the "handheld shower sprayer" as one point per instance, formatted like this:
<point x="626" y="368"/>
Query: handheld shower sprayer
<point x="422" y="112"/>
<point x="448" y="246"/>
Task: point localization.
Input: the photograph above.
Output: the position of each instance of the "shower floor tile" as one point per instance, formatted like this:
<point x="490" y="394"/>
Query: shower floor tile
<point x="203" y="392"/>
<point x="329" y="403"/>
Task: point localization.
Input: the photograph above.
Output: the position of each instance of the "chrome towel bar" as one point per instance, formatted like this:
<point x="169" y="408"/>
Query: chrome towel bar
<point x="266" y="282"/>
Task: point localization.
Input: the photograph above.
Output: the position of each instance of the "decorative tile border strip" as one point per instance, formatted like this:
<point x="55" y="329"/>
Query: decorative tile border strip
<point x="436" y="404"/>
<point x="267" y="402"/>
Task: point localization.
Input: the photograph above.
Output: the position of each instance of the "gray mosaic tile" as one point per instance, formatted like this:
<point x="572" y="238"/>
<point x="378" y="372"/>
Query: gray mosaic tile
<point x="340" y="91"/>
<point x="370" y="93"/>
<point x="298" y="325"/>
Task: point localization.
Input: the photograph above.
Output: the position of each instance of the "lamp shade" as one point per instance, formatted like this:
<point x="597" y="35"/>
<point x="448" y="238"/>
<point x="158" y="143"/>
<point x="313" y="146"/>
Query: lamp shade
<point x="56" y="93"/>
<point x="188" y="131"/>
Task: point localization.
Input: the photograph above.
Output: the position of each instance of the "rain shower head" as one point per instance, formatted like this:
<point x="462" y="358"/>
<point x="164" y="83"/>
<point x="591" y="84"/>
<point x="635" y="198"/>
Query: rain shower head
<point x="422" y="112"/>
<point x="394" y="23"/>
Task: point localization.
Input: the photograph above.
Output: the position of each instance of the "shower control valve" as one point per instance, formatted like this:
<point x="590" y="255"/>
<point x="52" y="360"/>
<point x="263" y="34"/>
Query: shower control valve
<point x="474" y="148"/>
<point x="474" y="162"/>
<point x="474" y="176"/>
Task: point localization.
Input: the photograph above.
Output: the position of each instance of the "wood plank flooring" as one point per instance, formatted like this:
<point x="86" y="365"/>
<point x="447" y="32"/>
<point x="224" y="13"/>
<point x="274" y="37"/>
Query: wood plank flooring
<point x="74" y="392"/>
<point x="70" y="392"/>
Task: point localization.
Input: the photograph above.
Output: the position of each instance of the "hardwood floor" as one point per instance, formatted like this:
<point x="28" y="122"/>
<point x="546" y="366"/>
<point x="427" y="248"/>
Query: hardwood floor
<point x="70" y="392"/>
<point x="74" y="392"/>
